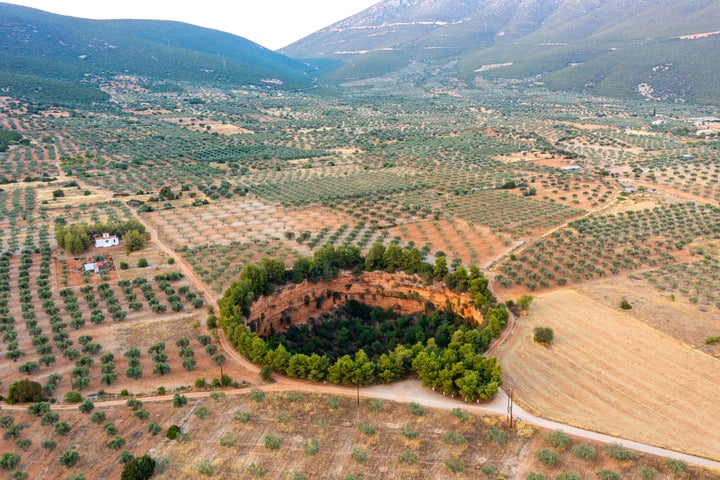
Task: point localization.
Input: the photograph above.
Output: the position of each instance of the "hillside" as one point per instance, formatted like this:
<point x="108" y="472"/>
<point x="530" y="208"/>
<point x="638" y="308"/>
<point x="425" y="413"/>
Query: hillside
<point x="602" y="47"/>
<point x="39" y="49"/>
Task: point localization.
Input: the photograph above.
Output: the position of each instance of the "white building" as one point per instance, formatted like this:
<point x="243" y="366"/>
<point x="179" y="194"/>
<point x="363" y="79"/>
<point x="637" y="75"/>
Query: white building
<point x="106" y="240"/>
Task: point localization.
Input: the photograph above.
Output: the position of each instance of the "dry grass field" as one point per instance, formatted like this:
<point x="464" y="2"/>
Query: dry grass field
<point x="609" y="372"/>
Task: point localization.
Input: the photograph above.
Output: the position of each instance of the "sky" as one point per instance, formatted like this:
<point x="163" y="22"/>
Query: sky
<point x="271" y="23"/>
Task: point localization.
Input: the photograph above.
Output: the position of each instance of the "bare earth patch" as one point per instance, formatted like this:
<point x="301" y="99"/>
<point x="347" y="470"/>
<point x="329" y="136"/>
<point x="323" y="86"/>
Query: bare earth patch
<point x="607" y="371"/>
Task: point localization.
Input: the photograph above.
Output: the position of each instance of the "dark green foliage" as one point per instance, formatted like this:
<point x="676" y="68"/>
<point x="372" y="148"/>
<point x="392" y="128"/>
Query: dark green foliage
<point x="69" y="458"/>
<point x="9" y="460"/>
<point x="625" y="305"/>
<point x="73" y="397"/>
<point x="173" y="432"/>
<point x="543" y="335"/>
<point x="24" y="391"/>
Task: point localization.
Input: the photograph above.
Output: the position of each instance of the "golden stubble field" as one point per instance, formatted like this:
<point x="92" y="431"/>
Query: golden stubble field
<point x="610" y="372"/>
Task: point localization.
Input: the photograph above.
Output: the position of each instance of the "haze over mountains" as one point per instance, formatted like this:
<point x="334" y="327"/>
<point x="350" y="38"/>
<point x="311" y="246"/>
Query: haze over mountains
<point x="655" y="49"/>
<point x="603" y="46"/>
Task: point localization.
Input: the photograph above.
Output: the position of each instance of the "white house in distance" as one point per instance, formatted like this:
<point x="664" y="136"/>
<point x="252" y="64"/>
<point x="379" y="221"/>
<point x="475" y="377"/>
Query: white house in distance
<point x="106" y="240"/>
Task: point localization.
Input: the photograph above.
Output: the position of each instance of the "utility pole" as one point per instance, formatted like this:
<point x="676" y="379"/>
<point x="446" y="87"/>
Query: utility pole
<point x="510" y="406"/>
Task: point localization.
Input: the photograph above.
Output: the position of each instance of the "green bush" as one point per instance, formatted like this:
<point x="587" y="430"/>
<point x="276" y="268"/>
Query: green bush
<point x="359" y="454"/>
<point x="548" y="457"/>
<point x="543" y="335"/>
<point x="557" y="439"/>
<point x="568" y="476"/>
<point x="583" y="451"/>
<point x="408" y="456"/>
<point x="618" y="452"/>
<point x="142" y="262"/>
<point x="73" y="397"/>
<point x="311" y="446"/>
<point x="455" y="464"/>
<point x="535" y="476"/>
<point x="24" y="391"/>
<point x="173" y="432"/>
<point x="647" y="473"/>
<point x="69" y="458"/>
<point x="272" y="442"/>
<point x="495" y="435"/>
<point x="242" y="416"/>
<point x="8" y="460"/>
<point x="606" y="474"/>
<point x="677" y="466"/>
<point x="140" y="468"/>
<point x="206" y="468"/>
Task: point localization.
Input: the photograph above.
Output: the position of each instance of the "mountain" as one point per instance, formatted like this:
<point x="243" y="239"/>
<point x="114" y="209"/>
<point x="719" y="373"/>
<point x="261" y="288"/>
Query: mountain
<point x="607" y="47"/>
<point x="40" y="51"/>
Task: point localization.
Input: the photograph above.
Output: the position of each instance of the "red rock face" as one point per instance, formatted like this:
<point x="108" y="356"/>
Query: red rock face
<point x="295" y="304"/>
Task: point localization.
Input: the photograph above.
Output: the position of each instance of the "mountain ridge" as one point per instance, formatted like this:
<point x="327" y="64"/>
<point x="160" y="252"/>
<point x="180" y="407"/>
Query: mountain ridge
<point x="531" y="38"/>
<point x="66" y="49"/>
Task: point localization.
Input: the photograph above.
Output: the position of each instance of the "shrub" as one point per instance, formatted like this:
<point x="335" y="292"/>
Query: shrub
<point x="69" y="458"/>
<point x="408" y="456"/>
<point x="8" y="461"/>
<point x="548" y="457"/>
<point x="142" y="262"/>
<point x="202" y="412"/>
<point x="173" y="432"/>
<point x="409" y="432"/>
<point x="311" y="446"/>
<point x="416" y="409"/>
<point x="618" y="452"/>
<point x="272" y="442"/>
<point x="24" y="391"/>
<point x="359" y="454"/>
<point x="568" y="476"/>
<point x="116" y="443"/>
<point x="677" y="466"/>
<point x="455" y="464"/>
<point x="460" y="414"/>
<point x="87" y="406"/>
<point x="367" y="429"/>
<point x="584" y="451"/>
<point x="228" y="439"/>
<point x="179" y="400"/>
<point x="543" y="335"/>
<point x="126" y="457"/>
<point x="242" y="416"/>
<point x="534" y="476"/>
<point x="488" y="470"/>
<point x="62" y="428"/>
<point x="266" y="373"/>
<point x="154" y="428"/>
<point x="375" y="405"/>
<point x="625" y="305"/>
<point x="606" y="474"/>
<point x="495" y="435"/>
<point x="647" y="473"/>
<point x="73" y="397"/>
<point x="455" y="438"/>
<point x="257" y="395"/>
<point x="256" y="470"/>
<point x="557" y="439"/>
<point x="48" y="444"/>
<point x="206" y="468"/>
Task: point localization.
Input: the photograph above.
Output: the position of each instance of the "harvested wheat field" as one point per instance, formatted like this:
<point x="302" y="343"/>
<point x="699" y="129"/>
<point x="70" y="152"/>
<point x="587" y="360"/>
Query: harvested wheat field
<point x="607" y="371"/>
